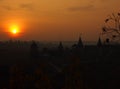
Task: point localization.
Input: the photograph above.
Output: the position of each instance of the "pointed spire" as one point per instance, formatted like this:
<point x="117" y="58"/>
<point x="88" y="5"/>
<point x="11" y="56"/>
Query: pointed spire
<point x="99" y="43"/>
<point x="80" y="43"/>
<point x="34" y="50"/>
<point x="60" y="45"/>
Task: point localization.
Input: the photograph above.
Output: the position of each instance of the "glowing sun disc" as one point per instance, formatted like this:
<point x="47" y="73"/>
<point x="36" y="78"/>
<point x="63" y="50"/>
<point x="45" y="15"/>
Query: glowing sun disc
<point x="14" y="30"/>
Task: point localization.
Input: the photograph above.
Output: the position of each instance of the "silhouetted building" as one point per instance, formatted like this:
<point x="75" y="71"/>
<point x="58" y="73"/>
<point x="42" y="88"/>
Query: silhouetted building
<point x="34" y="51"/>
<point x="60" y="48"/>
<point x="80" y="43"/>
<point x="82" y="67"/>
<point x="99" y="43"/>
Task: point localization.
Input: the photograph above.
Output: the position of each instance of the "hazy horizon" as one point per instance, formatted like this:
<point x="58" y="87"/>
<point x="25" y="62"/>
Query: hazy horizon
<point x="51" y="20"/>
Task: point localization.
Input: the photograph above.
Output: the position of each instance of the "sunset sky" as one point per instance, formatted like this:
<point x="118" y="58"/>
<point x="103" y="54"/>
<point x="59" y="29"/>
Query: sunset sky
<point x="55" y="20"/>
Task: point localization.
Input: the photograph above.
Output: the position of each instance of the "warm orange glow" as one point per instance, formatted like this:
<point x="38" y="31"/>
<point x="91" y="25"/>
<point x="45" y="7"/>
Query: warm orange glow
<point x="14" y="29"/>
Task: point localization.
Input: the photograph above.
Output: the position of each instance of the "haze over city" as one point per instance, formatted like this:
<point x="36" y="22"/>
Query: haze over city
<point x="59" y="44"/>
<point x="54" y="20"/>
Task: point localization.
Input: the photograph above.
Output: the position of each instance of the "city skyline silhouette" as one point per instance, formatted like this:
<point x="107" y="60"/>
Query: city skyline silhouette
<point x="59" y="44"/>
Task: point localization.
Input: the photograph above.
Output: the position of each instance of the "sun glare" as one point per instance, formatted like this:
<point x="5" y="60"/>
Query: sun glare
<point x="14" y="29"/>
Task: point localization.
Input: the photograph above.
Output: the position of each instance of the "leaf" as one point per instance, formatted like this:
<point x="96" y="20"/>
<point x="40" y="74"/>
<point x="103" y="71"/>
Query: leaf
<point x="118" y="14"/>
<point x="114" y="36"/>
<point x="106" y="20"/>
<point x="104" y="29"/>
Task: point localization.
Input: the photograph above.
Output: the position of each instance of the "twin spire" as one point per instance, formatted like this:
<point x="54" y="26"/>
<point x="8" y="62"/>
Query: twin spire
<point x="80" y="43"/>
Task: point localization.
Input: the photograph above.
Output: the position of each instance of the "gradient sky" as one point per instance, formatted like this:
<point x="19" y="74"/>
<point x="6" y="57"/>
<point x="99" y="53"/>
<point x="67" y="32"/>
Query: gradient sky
<point x="55" y="20"/>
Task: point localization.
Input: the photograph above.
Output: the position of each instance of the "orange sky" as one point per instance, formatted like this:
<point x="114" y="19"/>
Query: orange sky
<point x="55" y="20"/>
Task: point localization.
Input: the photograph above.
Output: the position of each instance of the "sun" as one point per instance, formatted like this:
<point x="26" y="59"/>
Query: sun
<point x="14" y="29"/>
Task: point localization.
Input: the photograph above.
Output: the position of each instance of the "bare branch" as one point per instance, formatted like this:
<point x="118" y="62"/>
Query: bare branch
<point x="112" y="32"/>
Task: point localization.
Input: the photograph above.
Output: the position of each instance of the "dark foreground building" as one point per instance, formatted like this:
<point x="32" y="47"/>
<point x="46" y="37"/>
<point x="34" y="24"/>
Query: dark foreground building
<point x="79" y="67"/>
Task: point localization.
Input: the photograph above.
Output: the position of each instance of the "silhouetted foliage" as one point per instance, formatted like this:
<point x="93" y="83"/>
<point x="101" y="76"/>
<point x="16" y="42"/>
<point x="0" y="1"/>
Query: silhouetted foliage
<point x="112" y="28"/>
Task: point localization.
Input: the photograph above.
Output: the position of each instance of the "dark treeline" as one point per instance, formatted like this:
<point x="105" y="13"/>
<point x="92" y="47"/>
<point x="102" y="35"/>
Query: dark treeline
<point x="26" y="65"/>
